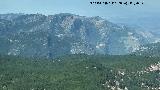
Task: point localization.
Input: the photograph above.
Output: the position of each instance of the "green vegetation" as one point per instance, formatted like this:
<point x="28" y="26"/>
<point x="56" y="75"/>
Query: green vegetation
<point x="79" y="72"/>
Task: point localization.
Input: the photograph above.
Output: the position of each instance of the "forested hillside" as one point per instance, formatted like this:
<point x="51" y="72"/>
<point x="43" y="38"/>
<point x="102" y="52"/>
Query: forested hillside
<point x="80" y="72"/>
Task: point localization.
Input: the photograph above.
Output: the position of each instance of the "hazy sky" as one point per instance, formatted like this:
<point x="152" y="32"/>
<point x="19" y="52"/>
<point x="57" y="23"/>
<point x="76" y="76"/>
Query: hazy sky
<point x="80" y="7"/>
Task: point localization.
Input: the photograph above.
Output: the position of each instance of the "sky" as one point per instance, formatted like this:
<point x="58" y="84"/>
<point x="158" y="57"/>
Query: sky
<point x="130" y="13"/>
<point x="80" y="7"/>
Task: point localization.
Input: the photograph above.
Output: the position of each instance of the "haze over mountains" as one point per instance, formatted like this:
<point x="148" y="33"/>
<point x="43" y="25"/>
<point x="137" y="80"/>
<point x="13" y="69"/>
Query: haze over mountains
<point x="37" y="35"/>
<point x="148" y="23"/>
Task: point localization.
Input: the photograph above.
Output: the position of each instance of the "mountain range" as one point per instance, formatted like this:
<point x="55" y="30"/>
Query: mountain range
<point x="37" y="35"/>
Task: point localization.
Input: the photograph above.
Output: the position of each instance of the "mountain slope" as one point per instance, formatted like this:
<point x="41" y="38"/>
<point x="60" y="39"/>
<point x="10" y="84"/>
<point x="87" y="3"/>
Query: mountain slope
<point x="37" y="35"/>
<point x="152" y="49"/>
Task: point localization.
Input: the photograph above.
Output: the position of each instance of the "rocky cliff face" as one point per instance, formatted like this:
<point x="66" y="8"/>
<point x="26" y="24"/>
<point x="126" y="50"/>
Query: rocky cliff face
<point x="49" y="36"/>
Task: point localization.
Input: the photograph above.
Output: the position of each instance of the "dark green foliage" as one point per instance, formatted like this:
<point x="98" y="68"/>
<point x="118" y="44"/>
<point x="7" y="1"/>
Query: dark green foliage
<point x="77" y="72"/>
